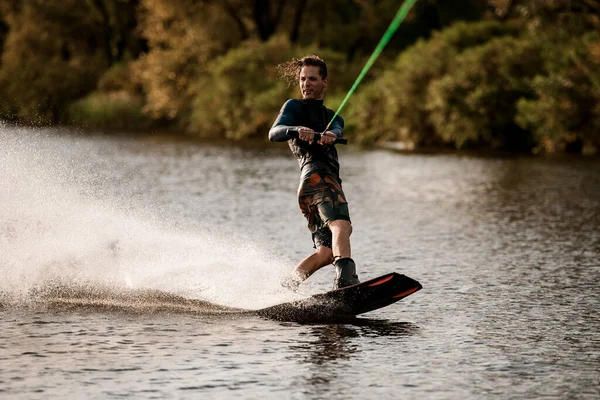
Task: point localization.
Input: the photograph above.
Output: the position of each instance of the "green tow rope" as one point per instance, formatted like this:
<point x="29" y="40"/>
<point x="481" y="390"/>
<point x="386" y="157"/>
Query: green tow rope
<point x="400" y="15"/>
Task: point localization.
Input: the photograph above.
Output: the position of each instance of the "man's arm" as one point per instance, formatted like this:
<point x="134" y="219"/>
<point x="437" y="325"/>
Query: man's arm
<point x="285" y="121"/>
<point x="337" y="126"/>
<point x="336" y="129"/>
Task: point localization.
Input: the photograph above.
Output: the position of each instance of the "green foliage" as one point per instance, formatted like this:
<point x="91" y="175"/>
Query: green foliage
<point x="526" y="75"/>
<point x="116" y="110"/>
<point x="474" y="103"/>
<point x="117" y="104"/>
<point x="119" y="77"/>
<point x="395" y="105"/>
<point x="488" y="85"/>
<point x="46" y="62"/>
<point x="241" y="93"/>
<point x="55" y="51"/>
<point x="183" y="37"/>
<point x="565" y="111"/>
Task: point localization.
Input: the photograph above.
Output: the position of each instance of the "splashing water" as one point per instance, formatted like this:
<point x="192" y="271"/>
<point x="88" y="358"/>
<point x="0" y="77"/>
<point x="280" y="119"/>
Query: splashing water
<point x="63" y="224"/>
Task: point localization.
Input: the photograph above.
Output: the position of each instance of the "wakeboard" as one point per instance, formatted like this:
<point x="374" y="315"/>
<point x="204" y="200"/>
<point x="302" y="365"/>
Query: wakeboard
<point x="347" y="302"/>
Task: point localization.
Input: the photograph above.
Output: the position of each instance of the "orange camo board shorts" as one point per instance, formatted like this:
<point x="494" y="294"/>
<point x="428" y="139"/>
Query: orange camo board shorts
<point x="321" y="200"/>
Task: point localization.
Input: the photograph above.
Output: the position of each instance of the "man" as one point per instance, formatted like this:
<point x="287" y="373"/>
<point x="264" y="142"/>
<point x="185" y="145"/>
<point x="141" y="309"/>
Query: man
<point x="320" y="194"/>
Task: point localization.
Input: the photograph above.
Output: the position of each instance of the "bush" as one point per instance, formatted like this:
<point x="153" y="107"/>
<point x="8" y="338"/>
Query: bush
<point x="116" y="104"/>
<point x="564" y="114"/>
<point x="119" y="77"/>
<point x="474" y="103"/>
<point x="486" y="84"/>
<point x="117" y="110"/>
<point x="394" y="106"/>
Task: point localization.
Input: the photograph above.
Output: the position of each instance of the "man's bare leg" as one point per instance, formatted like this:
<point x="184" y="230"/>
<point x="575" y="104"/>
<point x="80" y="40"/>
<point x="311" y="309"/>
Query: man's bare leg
<point x="341" y="230"/>
<point x="345" y="268"/>
<point x="311" y="264"/>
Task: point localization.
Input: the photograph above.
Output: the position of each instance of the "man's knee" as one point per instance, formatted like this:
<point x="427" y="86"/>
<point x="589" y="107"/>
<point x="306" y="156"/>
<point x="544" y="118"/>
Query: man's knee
<point x="340" y="227"/>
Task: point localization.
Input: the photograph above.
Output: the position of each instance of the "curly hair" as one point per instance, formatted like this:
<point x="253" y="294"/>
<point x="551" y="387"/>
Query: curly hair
<point x="290" y="70"/>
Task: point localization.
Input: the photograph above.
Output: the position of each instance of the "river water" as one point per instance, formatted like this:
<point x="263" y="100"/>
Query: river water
<point x="105" y="241"/>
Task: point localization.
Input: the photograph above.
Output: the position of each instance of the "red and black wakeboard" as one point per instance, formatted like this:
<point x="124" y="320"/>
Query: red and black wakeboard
<point x="347" y="302"/>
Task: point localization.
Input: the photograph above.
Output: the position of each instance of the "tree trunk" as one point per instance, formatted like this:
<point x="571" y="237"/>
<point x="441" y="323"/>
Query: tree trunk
<point x="266" y="22"/>
<point x="298" y="14"/>
<point x="232" y="12"/>
<point x="100" y="6"/>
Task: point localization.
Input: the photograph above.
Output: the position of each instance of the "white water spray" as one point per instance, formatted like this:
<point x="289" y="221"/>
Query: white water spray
<point x="62" y="221"/>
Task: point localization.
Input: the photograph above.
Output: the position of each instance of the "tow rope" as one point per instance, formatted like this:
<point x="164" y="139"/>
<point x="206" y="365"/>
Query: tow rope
<point x="400" y="15"/>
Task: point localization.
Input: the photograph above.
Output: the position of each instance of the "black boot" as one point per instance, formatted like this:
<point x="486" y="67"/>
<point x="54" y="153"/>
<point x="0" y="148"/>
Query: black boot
<point x="345" y="273"/>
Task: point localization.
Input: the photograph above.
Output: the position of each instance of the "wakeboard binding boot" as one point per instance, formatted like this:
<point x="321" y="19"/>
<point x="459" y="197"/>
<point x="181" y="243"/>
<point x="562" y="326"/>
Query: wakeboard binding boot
<point x="345" y="273"/>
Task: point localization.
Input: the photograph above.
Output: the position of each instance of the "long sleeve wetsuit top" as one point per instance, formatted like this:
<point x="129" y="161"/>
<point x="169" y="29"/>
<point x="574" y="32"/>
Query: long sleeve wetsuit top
<point x="314" y="115"/>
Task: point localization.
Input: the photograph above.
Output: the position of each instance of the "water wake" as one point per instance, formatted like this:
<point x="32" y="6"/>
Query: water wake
<point x="60" y="295"/>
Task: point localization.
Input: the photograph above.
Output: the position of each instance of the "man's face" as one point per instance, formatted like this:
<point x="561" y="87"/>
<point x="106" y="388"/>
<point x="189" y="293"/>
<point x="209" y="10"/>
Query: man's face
<point x="311" y="83"/>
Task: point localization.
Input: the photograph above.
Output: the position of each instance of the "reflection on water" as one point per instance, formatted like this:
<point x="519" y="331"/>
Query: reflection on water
<point x="331" y="342"/>
<point x="507" y="250"/>
<point x="334" y="353"/>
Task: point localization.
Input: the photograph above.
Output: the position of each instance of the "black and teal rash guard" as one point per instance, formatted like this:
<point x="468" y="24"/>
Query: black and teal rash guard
<point x="314" y="115"/>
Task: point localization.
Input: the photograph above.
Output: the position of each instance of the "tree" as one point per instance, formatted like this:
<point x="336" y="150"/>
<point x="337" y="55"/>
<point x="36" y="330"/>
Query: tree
<point x="56" y="50"/>
<point x="117" y="20"/>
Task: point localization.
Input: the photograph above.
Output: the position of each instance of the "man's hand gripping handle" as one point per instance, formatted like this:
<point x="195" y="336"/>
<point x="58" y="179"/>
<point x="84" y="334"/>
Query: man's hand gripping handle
<point x="317" y="137"/>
